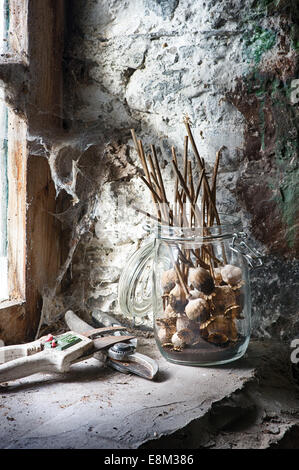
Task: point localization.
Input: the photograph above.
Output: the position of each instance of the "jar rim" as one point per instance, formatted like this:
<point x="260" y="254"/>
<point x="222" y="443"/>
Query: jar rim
<point x="230" y="225"/>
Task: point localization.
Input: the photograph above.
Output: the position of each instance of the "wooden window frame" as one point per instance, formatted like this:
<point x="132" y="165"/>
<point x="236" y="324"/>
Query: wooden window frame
<point x="33" y="82"/>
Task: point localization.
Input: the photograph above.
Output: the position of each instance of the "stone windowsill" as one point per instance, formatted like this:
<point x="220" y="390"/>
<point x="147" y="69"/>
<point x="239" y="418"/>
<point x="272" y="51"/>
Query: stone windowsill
<point x="251" y="403"/>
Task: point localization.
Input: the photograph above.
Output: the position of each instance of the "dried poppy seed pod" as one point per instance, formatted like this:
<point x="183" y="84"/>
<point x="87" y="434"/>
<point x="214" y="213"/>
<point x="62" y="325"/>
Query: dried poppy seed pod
<point x="169" y="312"/>
<point x="201" y="280"/>
<point x="183" y="338"/>
<point x="166" y="329"/>
<point x="222" y="329"/>
<point x="177" y="299"/>
<point x="218" y="276"/>
<point x="177" y="341"/>
<point x="164" y="334"/>
<point x="183" y="323"/>
<point x="226" y="301"/>
<point x="168" y="280"/>
<point x="239" y="296"/>
<point x="224" y="296"/>
<point x="196" y="309"/>
<point x="232" y="275"/>
<point x="194" y="294"/>
<point x="217" y="338"/>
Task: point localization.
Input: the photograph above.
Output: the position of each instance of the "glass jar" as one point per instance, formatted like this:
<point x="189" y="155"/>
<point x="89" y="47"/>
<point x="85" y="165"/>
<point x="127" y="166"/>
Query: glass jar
<point x="195" y="283"/>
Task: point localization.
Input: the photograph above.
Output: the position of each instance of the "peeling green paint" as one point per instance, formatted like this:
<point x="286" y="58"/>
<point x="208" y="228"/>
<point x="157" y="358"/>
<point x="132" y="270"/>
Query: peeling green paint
<point x="262" y="4"/>
<point x="289" y="209"/>
<point x="264" y="97"/>
<point x="264" y="7"/>
<point x="273" y="96"/>
<point x="295" y="37"/>
<point x="257" y="42"/>
<point x="286" y="156"/>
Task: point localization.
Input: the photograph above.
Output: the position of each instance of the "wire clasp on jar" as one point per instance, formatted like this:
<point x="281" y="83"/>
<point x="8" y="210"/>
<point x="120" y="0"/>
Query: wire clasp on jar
<point x="254" y="257"/>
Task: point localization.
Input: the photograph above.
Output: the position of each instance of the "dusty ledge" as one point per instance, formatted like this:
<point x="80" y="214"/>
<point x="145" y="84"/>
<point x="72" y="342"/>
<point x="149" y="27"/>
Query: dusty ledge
<point x="252" y="403"/>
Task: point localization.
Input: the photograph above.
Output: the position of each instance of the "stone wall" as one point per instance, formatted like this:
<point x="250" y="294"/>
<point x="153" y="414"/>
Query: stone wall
<point x="232" y="67"/>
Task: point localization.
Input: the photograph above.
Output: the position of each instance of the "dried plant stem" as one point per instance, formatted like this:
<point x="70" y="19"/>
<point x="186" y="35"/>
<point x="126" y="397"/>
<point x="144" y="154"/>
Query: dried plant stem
<point x="167" y="210"/>
<point x="184" y="221"/>
<point x="156" y="188"/>
<point x="156" y="219"/>
<point x="155" y="195"/>
<point x="153" y="171"/>
<point x="135" y="141"/>
<point x="184" y="211"/>
<point x="185" y="162"/>
<point x="159" y="173"/>
<point x="214" y="181"/>
<point x="199" y="186"/>
<point x="191" y="186"/>
<point x="181" y="279"/>
<point x="194" y="208"/>
<point x="215" y="171"/>
<point x="200" y="261"/>
<point x="140" y="153"/>
<point x="185" y="258"/>
<point x="176" y="186"/>
<point x="176" y="189"/>
<point x="162" y="199"/>
<point x="205" y="179"/>
<point x="203" y="210"/>
<point x="177" y="194"/>
<point x="143" y="161"/>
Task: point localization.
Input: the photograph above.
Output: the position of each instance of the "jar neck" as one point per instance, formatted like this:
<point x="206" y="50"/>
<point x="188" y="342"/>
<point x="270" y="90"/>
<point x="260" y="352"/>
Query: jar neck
<point x="229" y="226"/>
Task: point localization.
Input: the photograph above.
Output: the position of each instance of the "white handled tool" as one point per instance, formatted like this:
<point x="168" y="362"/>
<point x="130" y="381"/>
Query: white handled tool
<point x="54" y="353"/>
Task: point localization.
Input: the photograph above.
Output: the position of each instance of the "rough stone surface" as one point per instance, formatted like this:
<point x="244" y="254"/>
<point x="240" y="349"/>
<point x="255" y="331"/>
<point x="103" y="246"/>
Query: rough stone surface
<point x="252" y="403"/>
<point x="232" y="67"/>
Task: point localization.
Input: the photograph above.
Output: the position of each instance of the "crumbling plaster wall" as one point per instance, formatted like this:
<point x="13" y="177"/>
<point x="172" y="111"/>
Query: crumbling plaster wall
<point x="142" y="64"/>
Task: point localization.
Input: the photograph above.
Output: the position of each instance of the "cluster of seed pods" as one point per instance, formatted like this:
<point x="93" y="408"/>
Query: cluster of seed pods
<point x="208" y="312"/>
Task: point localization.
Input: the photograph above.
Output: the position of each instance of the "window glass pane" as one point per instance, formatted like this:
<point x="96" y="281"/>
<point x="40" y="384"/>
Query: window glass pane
<point x="3" y="162"/>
